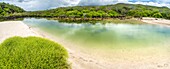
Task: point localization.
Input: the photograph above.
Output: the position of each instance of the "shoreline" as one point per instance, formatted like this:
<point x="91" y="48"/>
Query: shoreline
<point x="77" y="58"/>
<point x="14" y="28"/>
<point x="156" y="21"/>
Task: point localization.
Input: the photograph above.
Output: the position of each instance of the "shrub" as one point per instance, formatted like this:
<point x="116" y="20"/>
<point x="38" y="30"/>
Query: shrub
<point x="32" y="53"/>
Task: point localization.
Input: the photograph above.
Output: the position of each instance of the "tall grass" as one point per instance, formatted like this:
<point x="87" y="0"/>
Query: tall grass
<point x="32" y="53"/>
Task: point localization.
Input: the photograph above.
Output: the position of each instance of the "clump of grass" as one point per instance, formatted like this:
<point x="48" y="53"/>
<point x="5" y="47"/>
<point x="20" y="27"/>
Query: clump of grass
<point x="32" y="53"/>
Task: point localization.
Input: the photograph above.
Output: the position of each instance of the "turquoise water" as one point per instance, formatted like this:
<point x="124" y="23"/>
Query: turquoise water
<point x="114" y="44"/>
<point x="118" y="45"/>
<point x="111" y="36"/>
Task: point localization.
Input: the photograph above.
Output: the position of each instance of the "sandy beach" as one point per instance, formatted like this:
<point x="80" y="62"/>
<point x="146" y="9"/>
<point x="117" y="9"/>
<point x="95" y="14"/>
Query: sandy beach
<point x="14" y="28"/>
<point x="81" y="60"/>
<point x="156" y="21"/>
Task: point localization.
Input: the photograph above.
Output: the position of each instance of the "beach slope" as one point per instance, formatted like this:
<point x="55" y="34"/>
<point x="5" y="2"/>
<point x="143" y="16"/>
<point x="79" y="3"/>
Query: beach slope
<point x="156" y="21"/>
<point x="14" y="28"/>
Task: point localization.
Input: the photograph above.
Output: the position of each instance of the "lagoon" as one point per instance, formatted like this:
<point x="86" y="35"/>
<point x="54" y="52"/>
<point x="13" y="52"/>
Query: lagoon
<point x="112" y="44"/>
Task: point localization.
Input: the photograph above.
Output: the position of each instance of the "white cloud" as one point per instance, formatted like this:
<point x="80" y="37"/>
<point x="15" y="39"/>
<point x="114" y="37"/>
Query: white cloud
<point x="95" y="2"/>
<point x="32" y="5"/>
<point x="153" y="4"/>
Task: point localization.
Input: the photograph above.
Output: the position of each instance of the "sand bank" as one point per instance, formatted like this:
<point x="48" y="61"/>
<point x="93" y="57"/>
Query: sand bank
<point x="156" y="21"/>
<point x="14" y="28"/>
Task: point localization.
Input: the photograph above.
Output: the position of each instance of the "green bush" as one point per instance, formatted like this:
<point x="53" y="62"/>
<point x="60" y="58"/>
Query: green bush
<point x="32" y="53"/>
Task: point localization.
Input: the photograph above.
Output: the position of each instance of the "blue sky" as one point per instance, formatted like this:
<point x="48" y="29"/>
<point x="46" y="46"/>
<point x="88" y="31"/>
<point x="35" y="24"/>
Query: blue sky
<point x="33" y="5"/>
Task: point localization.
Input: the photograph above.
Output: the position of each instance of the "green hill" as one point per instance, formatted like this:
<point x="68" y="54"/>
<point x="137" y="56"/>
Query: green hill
<point x="107" y="11"/>
<point x="7" y="9"/>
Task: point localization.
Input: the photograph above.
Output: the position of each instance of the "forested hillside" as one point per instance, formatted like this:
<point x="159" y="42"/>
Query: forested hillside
<point x="103" y="11"/>
<point x="107" y="11"/>
<point x="7" y="9"/>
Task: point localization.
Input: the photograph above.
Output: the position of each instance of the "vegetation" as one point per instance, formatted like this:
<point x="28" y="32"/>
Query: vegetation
<point x="7" y="9"/>
<point x="88" y="13"/>
<point x="108" y="11"/>
<point x="32" y="53"/>
<point x="98" y="20"/>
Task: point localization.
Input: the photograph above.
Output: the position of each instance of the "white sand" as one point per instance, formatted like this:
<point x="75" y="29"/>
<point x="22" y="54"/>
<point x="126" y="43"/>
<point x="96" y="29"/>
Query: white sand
<point x="14" y="28"/>
<point x="156" y="21"/>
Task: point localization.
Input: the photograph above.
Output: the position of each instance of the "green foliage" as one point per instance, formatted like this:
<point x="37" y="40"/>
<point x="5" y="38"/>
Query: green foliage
<point x="110" y="11"/>
<point x="158" y="15"/>
<point x="7" y="9"/>
<point x="107" y="11"/>
<point x="113" y="13"/>
<point x="32" y="53"/>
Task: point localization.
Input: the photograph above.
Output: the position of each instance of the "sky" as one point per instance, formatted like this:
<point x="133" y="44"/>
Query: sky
<point x="33" y="5"/>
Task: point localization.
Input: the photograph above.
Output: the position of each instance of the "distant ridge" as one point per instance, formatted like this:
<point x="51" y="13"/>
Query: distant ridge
<point x="7" y="9"/>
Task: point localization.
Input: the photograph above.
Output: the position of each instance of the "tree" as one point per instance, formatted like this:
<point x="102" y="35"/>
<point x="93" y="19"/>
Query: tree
<point x="7" y="9"/>
<point x="89" y="15"/>
<point x="112" y="13"/>
<point x="158" y="15"/>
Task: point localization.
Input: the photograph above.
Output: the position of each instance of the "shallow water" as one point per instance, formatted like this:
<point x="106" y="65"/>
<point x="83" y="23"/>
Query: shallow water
<point x="104" y="35"/>
<point x="111" y="41"/>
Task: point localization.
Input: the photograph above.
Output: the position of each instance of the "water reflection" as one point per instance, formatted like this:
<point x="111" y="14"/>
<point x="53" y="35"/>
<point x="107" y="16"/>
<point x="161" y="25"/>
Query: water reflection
<point x="104" y="35"/>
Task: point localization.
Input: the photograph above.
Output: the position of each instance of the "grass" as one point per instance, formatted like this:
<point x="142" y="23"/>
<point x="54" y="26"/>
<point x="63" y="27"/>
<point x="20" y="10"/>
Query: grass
<point x="32" y="53"/>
